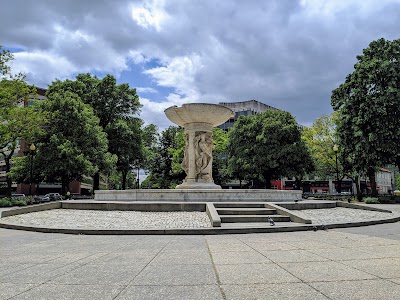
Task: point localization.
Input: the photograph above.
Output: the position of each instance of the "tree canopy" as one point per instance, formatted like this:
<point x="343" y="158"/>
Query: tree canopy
<point x="161" y="167"/>
<point x="369" y="104"/>
<point x="17" y="120"/>
<point x="110" y="102"/>
<point x="73" y="144"/>
<point x="126" y="143"/>
<point x="267" y="146"/>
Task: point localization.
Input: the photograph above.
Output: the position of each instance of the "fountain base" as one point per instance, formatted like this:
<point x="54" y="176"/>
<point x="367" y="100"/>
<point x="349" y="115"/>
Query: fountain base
<point x="198" y="186"/>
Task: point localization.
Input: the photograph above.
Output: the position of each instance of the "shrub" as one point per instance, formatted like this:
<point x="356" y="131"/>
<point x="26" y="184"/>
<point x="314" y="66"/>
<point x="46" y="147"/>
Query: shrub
<point x="370" y="200"/>
<point x="5" y="202"/>
<point x="18" y="201"/>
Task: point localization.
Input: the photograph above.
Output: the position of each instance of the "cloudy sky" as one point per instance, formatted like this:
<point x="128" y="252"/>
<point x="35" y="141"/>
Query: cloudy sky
<point x="285" y="53"/>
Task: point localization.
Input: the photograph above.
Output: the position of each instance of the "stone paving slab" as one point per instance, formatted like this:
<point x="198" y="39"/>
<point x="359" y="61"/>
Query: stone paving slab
<point x="8" y="290"/>
<point x="238" y="257"/>
<point x="381" y="267"/>
<point x="159" y="274"/>
<point x="148" y="267"/>
<point x="292" y="256"/>
<point x="325" y="271"/>
<point x="176" y="292"/>
<point x="253" y="274"/>
<point x="359" y="290"/>
<point x="71" y="292"/>
<point x="287" y="291"/>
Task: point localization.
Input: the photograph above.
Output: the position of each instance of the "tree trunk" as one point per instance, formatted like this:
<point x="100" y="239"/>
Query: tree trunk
<point x="371" y="176"/>
<point x="96" y="182"/>
<point x="358" y="189"/>
<point x="339" y="188"/>
<point x="267" y="178"/>
<point x="7" y="159"/>
<point x="63" y="184"/>
<point x="37" y="192"/>
<point x="124" y="175"/>
<point x="8" y="179"/>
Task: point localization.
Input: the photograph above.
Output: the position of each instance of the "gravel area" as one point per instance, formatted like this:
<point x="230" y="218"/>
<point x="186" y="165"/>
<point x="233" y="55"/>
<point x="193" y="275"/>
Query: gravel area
<point x="72" y="218"/>
<point x="97" y="219"/>
<point x="340" y="215"/>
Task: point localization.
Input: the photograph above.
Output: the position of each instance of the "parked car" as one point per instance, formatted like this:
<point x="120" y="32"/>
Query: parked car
<point x="46" y="198"/>
<point x="345" y="193"/>
<point x="36" y="200"/>
<point x="55" y="196"/>
<point x="51" y="197"/>
<point x="18" y="196"/>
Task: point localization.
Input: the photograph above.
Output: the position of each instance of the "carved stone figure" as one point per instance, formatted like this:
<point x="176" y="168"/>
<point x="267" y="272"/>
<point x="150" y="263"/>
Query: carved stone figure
<point x="203" y="147"/>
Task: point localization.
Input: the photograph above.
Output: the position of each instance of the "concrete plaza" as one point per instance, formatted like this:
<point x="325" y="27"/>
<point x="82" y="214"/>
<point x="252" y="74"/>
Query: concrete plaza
<point x="353" y="263"/>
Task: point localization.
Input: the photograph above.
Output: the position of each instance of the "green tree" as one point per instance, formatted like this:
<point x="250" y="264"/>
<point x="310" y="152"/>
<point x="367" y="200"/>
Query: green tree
<point x="267" y="146"/>
<point x="369" y="103"/>
<point x="5" y="57"/>
<point x="398" y="182"/>
<point x="17" y="122"/>
<point x="220" y="171"/>
<point x="110" y="102"/>
<point x="150" y="137"/>
<point x="321" y="138"/>
<point x="73" y="144"/>
<point x="161" y="170"/>
<point x="126" y="143"/>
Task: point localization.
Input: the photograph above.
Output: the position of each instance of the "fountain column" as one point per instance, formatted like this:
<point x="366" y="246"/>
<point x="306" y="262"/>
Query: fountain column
<point x="198" y="120"/>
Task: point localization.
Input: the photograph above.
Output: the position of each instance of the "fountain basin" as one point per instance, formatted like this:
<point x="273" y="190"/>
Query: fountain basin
<point x="212" y="114"/>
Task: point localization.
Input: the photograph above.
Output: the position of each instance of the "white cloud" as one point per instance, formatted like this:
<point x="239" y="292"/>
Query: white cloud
<point x="42" y="67"/>
<point x="179" y="73"/>
<point x="147" y="90"/>
<point x="288" y="54"/>
<point x="149" y="13"/>
<point x="328" y="8"/>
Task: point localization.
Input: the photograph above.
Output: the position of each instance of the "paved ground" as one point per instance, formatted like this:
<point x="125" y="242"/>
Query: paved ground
<point x="354" y="263"/>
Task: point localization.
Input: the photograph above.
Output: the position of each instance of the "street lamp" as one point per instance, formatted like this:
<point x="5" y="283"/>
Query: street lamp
<point x="137" y="163"/>
<point x="137" y="179"/>
<point x="336" y="149"/>
<point x="32" y="152"/>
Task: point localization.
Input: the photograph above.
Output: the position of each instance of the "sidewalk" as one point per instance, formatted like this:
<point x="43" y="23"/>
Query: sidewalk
<point x="354" y="263"/>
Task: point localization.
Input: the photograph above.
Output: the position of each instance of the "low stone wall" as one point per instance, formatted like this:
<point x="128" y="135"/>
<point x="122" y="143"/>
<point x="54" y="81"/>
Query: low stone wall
<point x="133" y="206"/>
<point x="198" y="195"/>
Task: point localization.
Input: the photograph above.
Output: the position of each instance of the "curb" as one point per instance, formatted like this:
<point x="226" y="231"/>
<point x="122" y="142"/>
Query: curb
<point x="208" y="207"/>
<point x="199" y="231"/>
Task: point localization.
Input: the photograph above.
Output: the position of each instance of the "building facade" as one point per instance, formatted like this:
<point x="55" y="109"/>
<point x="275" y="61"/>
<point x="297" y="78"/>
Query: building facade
<point x="243" y="108"/>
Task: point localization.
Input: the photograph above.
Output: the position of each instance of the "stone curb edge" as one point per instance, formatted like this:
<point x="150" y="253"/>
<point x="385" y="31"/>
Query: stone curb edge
<point x="198" y="231"/>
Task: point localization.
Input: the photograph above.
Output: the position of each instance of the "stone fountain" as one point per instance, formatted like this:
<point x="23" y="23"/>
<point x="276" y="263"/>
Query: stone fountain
<point x="198" y="120"/>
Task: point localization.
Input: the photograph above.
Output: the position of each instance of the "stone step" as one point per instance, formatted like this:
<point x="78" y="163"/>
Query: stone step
<point x="238" y="204"/>
<point x="245" y="211"/>
<point x="252" y="218"/>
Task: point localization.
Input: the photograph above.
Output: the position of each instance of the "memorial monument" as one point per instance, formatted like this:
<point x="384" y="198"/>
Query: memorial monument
<point x="198" y="120"/>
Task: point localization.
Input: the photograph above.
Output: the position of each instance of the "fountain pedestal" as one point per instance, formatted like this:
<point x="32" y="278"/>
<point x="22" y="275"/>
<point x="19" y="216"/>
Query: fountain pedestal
<point x="198" y="120"/>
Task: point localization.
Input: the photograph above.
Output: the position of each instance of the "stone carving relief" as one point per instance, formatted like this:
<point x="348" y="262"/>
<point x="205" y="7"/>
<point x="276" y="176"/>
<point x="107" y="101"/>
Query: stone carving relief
<point x="203" y="152"/>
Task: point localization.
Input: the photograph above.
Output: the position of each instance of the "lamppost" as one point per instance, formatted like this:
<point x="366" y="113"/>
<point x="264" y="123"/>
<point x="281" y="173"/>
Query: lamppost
<point x="137" y="179"/>
<point x="32" y="152"/>
<point x="137" y="162"/>
<point x="336" y="149"/>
